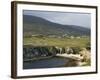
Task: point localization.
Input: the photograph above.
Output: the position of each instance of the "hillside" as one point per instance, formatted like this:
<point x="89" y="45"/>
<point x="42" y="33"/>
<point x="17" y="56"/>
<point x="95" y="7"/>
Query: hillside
<point x="35" y="25"/>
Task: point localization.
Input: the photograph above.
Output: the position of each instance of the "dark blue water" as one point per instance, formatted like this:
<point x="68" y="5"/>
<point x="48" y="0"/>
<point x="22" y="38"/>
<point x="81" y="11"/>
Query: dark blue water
<point x="46" y="63"/>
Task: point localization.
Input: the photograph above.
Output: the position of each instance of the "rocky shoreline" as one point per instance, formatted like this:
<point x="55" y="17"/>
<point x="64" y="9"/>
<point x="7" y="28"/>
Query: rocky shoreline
<point x="32" y="53"/>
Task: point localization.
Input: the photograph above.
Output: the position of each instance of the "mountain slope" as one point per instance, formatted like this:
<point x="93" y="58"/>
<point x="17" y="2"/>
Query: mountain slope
<point x="36" y="25"/>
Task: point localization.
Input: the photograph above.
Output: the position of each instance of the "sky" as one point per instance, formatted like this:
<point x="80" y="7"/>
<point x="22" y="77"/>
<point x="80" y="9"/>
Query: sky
<point x="65" y="18"/>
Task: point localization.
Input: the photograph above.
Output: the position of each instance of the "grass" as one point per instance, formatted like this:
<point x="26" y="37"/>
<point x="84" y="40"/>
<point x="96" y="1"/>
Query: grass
<point x="60" y="42"/>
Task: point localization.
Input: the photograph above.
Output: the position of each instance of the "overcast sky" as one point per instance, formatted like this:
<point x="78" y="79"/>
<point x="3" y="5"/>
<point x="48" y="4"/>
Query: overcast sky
<point x="65" y="18"/>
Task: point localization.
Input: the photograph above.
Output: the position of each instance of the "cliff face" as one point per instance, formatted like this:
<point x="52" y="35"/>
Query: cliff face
<point x="40" y="51"/>
<point x="30" y="51"/>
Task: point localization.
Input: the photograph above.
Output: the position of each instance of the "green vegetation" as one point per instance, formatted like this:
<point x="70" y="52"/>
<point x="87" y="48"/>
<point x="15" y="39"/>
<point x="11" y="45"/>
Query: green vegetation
<point x="46" y="46"/>
<point x="43" y="39"/>
<point x="59" y="42"/>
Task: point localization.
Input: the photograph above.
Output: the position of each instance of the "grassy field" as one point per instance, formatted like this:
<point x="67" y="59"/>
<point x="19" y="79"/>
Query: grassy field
<point x="60" y="42"/>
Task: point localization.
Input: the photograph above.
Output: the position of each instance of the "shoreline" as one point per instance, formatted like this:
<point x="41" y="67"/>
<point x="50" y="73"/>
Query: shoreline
<point x="73" y="59"/>
<point x="39" y="58"/>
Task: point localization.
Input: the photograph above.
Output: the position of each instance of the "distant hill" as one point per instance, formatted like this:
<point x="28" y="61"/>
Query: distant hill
<point x="36" y="25"/>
